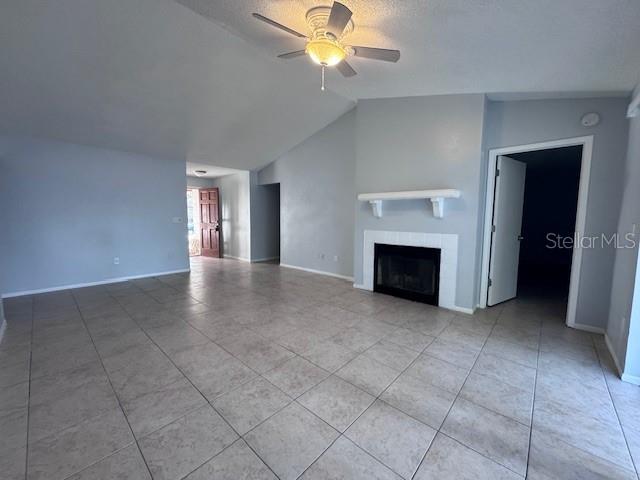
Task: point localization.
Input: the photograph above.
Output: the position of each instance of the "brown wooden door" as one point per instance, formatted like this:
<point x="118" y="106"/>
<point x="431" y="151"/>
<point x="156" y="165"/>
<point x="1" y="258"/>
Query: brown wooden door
<point x="209" y="224"/>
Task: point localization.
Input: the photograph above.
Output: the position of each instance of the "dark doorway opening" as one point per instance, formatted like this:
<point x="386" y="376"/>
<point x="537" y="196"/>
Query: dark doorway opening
<point x="549" y="213"/>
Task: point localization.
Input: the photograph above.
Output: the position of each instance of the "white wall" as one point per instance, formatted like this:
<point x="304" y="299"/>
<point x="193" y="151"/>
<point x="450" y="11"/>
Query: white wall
<point x="415" y="144"/>
<point x="68" y="210"/>
<point x="316" y="197"/>
<point x="623" y="328"/>
<point x="235" y="220"/>
<point x="523" y="122"/>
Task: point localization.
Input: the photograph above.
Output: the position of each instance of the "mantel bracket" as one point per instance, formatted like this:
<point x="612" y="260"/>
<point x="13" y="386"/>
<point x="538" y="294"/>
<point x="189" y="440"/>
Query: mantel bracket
<point x="438" y="206"/>
<point x="376" y="207"/>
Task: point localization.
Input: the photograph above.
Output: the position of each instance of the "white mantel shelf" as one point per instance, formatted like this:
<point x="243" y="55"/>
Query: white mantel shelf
<point x="437" y="198"/>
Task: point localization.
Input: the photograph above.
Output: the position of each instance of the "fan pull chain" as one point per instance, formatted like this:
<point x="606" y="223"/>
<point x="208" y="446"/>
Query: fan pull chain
<point x="322" y="77"/>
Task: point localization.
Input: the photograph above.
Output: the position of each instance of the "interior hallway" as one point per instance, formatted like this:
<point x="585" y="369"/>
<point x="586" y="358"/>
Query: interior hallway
<point x="245" y="369"/>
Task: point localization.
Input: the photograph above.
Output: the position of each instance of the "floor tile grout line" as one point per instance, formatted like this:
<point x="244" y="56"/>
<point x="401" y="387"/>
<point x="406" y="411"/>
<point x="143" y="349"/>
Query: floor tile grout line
<point x="468" y="374"/>
<point x="239" y="439"/>
<point x="293" y="400"/>
<point x="206" y="400"/>
<point x="233" y="355"/>
<point x="533" y="403"/>
<point x="456" y="399"/>
<point x="124" y="414"/>
<point x="71" y="475"/>
<point x="376" y="398"/>
<point x="600" y="421"/>
<point x="452" y="404"/>
<point x="27" y="439"/>
<point x="532" y="393"/>
<point x="393" y="381"/>
<point x="615" y="409"/>
<point x="537" y="362"/>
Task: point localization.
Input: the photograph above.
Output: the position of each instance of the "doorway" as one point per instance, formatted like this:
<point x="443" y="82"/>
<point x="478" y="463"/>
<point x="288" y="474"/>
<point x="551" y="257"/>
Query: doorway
<point x="536" y="201"/>
<point x="209" y="222"/>
<point x="265" y="223"/>
<point x="193" y="222"/>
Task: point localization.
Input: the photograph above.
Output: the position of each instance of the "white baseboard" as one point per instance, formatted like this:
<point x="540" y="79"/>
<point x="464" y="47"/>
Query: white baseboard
<point x="588" y="328"/>
<point x="319" y="272"/>
<point x="92" y="284"/>
<point x="612" y="352"/>
<point x="360" y="286"/>
<point x="630" y="378"/>
<point x="266" y="259"/>
<point x="468" y="311"/>
<point x="242" y="259"/>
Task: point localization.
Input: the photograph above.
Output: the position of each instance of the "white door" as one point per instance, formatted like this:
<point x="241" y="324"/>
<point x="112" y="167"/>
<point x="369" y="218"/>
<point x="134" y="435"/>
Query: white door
<point x="507" y="225"/>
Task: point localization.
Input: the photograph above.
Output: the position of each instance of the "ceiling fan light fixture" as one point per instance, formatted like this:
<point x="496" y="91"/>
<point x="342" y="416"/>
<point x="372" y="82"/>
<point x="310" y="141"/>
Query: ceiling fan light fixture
<point x="326" y="46"/>
<point x="325" y="52"/>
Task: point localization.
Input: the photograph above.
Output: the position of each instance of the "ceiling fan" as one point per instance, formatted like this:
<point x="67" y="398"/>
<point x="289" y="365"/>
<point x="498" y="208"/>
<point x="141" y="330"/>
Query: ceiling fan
<point x="325" y="45"/>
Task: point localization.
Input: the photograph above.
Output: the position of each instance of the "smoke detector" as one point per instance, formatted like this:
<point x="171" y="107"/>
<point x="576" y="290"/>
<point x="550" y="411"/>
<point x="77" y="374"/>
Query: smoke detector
<point x="200" y="173"/>
<point x="590" y="119"/>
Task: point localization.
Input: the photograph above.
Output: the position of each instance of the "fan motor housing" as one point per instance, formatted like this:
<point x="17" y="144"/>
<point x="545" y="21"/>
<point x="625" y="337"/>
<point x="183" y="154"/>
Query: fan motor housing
<point x="317" y="19"/>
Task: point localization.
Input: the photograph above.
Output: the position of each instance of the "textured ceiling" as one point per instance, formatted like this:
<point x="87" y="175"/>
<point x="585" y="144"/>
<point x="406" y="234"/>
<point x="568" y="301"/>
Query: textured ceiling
<point x="212" y="171"/>
<point x="151" y="77"/>
<point x="455" y="46"/>
<point x="154" y="77"/>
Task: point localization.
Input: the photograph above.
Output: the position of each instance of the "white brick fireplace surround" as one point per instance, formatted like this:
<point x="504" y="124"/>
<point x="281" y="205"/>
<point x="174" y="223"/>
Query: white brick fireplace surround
<point x="446" y="242"/>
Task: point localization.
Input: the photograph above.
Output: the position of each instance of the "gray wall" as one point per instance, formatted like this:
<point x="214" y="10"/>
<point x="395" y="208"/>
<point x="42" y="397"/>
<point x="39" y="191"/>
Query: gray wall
<point x="524" y="122"/>
<point x="199" y="182"/>
<point x="422" y="143"/>
<point x="235" y="214"/>
<point x="316" y="196"/>
<point x="624" y="326"/>
<point x="435" y="142"/>
<point x="68" y="210"/>
<point x="265" y="220"/>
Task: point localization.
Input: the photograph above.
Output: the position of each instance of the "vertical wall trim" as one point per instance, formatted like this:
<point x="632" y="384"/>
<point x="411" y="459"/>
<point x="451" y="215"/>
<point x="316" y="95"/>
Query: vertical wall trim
<point x="3" y="322"/>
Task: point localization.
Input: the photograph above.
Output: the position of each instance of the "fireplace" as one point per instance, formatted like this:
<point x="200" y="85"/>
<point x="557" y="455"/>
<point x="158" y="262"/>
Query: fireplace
<point x="407" y="272"/>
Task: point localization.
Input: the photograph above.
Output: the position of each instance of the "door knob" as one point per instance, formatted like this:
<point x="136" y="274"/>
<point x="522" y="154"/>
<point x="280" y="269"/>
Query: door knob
<point x="520" y="238"/>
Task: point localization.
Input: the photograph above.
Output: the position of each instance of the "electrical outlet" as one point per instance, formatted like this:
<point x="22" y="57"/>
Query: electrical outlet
<point x="116" y="260"/>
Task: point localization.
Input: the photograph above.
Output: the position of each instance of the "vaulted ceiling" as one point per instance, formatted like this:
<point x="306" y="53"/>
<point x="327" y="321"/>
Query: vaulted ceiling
<point x="152" y="77"/>
<point x="199" y="80"/>
<point x="462" y="46"/>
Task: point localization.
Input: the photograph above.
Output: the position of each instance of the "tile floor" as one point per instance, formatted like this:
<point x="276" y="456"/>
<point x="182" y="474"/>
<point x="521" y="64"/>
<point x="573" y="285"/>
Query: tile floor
<point x="255" y="371"/>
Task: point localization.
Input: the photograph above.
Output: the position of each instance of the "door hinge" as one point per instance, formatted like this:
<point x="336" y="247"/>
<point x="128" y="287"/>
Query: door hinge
<point x="497" y="172"/>
<point x="493" y="228"/>
<point x="490" y="282"/>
